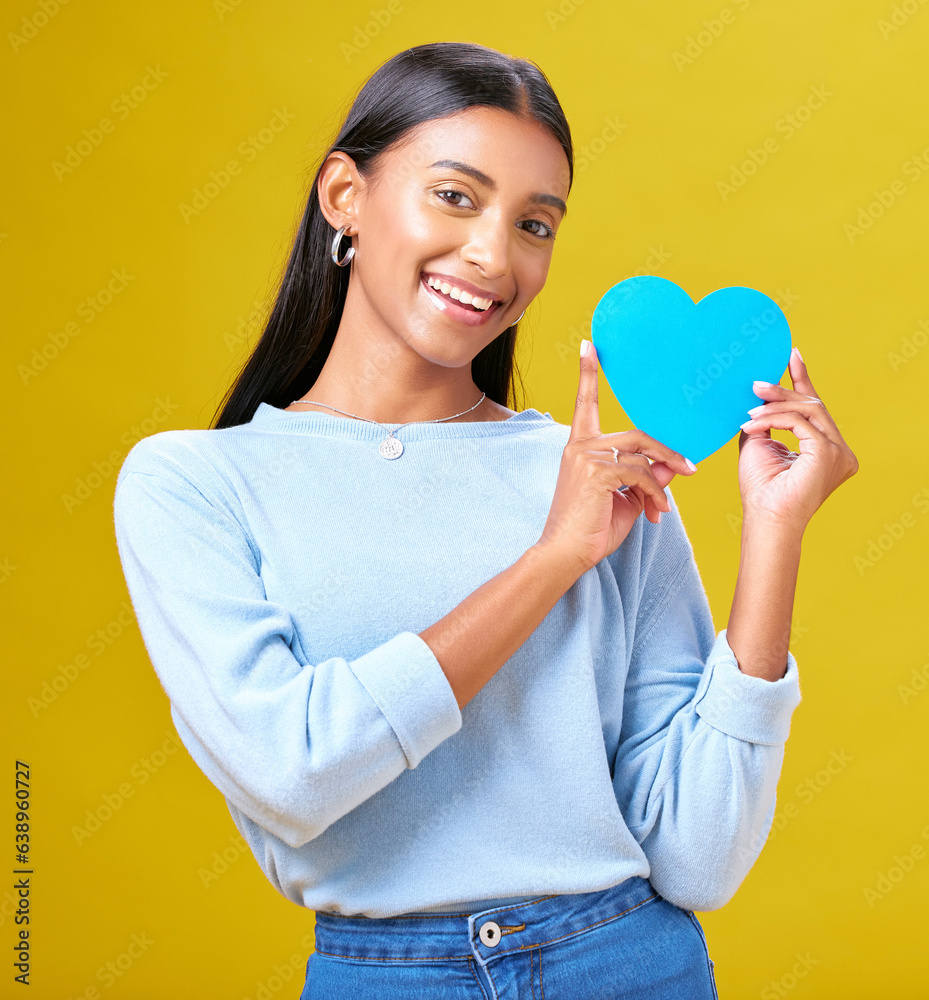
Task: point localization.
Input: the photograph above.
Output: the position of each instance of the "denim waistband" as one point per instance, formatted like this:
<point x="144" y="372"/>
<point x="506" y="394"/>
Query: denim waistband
<point x="486" y="935"/>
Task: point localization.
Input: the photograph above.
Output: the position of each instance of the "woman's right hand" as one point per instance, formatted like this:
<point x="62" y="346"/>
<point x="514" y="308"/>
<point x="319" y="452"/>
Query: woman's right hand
<point x="589" y="516"/>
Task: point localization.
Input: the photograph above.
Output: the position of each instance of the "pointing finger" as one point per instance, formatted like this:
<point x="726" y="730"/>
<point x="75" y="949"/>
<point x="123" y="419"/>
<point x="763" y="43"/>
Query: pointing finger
<point x="586" y="421"/>
<point x="799" y="375"/>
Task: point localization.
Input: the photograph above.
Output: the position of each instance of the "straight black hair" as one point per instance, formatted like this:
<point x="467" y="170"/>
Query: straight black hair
<point x="420" y="84"/>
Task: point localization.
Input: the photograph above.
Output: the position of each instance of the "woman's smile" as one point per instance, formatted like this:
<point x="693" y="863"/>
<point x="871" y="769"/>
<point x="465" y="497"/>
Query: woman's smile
<point x="457" y="300"/>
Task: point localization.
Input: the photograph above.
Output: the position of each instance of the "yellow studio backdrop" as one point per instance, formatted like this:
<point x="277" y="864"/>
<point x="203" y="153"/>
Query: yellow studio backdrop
<point x="157" y="161"/>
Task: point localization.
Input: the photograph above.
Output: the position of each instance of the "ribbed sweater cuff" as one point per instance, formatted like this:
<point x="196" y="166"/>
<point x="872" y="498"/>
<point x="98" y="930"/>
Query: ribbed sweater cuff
<point x="409" y="686"/>
<point x="746" y="707"/>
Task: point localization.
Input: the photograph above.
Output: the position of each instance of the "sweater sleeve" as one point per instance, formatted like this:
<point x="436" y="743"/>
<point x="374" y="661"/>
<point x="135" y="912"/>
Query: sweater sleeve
<point x="701" y="743"/>
<point x="294" y="745"/>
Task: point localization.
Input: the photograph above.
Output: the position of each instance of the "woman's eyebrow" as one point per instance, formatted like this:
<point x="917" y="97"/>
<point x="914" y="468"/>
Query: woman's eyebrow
<point x="539" y="198"/>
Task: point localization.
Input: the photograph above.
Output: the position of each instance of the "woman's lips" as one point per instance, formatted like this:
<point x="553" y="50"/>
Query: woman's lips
<point x="454" y="310"/>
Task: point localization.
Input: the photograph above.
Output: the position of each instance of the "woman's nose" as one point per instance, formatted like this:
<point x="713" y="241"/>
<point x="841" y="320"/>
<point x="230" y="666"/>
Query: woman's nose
<point x="488" y="245"/>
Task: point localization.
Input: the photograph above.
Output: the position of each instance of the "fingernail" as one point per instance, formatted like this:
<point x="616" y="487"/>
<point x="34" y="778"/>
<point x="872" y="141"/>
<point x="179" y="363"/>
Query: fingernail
<point x="746" y="425"/>
<point x="799" y="355"/>
<point x="585" y="347"/>
<point x="659" y="517"/>
<point x="755" y="410"/>
<point x="763" y="385"/>
<point x="690" y="465"/>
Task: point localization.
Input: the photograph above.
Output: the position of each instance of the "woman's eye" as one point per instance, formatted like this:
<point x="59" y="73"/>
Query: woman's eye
<point x="448" y="194"/>
<point x="546" y="231"/>
<point x="451" y="191"/>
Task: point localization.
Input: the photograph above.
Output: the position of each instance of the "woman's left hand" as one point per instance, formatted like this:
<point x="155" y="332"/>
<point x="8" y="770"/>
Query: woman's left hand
<point x="779" y="485"/>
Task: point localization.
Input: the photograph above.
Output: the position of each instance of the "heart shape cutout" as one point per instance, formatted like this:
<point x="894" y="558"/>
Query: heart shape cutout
<point x="683" y="370"/>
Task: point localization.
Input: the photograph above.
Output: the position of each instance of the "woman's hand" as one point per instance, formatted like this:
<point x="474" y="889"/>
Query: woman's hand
<point x="781" y="485"/>
<point x="589" y="516"/>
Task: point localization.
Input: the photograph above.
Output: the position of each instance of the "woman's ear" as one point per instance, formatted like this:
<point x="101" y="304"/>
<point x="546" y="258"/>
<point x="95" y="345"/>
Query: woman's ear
<point x="338" y="188"/>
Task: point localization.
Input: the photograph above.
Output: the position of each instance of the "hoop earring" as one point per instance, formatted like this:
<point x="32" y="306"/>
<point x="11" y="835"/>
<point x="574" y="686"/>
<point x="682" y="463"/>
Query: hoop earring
<point x="518" y="318"/>
<point x="336" y="240"/>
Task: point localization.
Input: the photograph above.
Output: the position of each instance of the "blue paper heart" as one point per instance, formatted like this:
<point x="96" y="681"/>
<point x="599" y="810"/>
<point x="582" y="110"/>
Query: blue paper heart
<point x="681" y="370"/>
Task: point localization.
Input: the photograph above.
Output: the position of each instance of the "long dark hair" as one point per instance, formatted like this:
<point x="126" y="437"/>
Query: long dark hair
<point x="417" y="85"/>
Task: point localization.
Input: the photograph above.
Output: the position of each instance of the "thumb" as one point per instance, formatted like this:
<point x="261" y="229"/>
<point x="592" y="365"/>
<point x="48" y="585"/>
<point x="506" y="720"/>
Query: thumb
<point x="663" y="473"/>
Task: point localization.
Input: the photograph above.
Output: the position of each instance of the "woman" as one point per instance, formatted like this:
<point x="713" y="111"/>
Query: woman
<point x="462" y="701"/>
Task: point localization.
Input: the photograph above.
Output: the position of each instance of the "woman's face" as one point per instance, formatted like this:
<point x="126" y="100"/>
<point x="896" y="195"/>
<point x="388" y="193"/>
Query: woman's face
<point x="471" y="201"/>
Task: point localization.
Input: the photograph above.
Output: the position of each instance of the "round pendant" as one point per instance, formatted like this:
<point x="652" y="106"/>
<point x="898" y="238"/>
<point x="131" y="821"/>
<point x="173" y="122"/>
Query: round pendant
<point x="391" y="447"/>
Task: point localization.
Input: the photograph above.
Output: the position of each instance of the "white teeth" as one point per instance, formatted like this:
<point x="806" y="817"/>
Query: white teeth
<point x="456" y="293"/>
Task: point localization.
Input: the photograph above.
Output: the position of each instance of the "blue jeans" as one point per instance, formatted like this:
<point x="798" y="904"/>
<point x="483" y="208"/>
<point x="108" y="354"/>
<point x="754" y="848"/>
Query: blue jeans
<point x="622" y="942"/>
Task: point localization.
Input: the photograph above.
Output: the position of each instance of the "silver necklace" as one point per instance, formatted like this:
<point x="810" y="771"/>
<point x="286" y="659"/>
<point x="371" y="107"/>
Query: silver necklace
<point x="391" y="447"/>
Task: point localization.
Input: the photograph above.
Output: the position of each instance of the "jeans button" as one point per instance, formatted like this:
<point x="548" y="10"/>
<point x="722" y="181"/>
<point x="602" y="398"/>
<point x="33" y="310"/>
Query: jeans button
<point x="490" y="934"/>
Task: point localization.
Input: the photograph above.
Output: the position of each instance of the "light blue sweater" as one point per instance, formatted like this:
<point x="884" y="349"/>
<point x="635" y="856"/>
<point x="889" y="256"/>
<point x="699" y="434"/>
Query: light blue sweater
<point x="281" y="571"/>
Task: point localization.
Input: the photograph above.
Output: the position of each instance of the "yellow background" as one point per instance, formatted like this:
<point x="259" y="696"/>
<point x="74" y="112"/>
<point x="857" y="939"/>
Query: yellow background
<point x="160" y="354"/>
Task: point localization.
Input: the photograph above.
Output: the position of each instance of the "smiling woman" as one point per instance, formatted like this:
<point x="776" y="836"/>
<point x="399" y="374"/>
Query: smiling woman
<point x="474" y="243"/>
<point x="454" y="163"/>
<point x="466" y="704"/>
